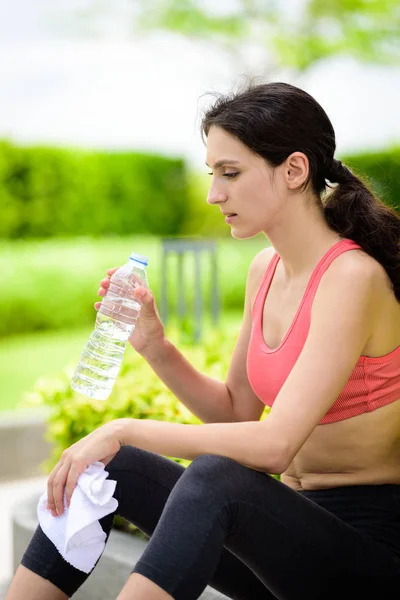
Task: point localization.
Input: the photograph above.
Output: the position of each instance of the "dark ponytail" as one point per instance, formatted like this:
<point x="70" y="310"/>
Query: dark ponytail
<point x="276" y="119"/>
<point x="352" y="210"/>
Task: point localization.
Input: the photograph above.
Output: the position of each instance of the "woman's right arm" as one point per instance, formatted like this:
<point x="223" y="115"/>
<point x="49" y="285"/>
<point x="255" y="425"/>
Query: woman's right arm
<point x="205" y="397"/>
<point x="211" y="400"/>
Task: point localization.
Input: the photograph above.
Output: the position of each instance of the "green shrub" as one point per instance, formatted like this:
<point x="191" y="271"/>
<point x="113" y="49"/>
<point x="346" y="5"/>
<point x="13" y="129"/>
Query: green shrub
<point x="47" y="192"/>
<point x="138" y="393"/>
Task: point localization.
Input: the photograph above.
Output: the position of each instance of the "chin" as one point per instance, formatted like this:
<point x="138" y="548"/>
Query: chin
<point x="244" y="234"/>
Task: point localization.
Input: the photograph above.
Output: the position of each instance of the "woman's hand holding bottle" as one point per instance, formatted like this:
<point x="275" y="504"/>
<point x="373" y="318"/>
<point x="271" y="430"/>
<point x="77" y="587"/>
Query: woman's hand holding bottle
<point x="148" y="332"/>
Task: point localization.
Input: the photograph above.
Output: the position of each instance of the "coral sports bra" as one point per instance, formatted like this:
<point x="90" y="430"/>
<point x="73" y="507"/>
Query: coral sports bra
<point x="374" y="382"/>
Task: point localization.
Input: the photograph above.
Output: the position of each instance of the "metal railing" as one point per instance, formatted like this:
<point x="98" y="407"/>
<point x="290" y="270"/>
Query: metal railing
<point x="183" y="247"/>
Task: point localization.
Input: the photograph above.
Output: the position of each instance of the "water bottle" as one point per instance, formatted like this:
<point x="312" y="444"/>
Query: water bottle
<point x="101" y="358"/>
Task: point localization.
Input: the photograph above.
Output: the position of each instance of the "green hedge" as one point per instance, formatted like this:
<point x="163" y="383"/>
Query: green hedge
<point x="47" y="192"/>
<point x="382" y="169"/>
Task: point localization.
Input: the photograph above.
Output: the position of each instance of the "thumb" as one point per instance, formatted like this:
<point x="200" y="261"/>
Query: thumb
<point x="145" y="298"/>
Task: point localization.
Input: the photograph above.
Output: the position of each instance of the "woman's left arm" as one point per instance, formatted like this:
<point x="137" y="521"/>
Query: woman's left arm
<point x="245" y="442"/>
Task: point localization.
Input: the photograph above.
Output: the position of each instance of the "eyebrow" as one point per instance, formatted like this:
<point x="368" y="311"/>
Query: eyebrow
<point x="222" y="162"/>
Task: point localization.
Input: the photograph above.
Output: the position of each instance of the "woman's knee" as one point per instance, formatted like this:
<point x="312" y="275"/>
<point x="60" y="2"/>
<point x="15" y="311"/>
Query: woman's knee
<point x="215" y="475"/>
<point x="212" y="464"/>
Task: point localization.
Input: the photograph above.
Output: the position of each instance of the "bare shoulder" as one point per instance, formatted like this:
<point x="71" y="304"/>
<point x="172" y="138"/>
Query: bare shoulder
<point x="362" y="266"/>
<point x="357" y="274"/>
<point x="357" y="258"/>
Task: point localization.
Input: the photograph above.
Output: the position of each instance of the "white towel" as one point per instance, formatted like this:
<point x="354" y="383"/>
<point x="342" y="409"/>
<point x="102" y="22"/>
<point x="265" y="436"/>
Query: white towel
<point x="77" y="533"/>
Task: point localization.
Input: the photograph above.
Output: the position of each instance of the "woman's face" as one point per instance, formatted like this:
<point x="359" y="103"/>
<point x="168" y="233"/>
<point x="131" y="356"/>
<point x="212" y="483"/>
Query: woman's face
<point x="242" y="184"/>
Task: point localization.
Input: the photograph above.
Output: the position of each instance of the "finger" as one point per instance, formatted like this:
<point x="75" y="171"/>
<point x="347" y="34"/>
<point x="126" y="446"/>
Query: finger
<point x="139" y="294"/>
<point x="111" y="271"/>
<point x="50" y="483"/>
<point x="102" y="291"/>
<point x="145" y="297"/>
<point x="76" y="469"/>
<point x="105" y="283"/>
<point x="97" y="305"/>
<point x="58" y="489"/>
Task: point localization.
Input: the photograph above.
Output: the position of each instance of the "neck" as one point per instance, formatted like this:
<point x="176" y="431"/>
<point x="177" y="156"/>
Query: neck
<point x="301" y="240"/>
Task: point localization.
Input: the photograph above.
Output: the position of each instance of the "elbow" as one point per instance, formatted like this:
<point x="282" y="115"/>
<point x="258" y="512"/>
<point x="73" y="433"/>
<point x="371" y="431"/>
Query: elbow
<point x="274" y="463"/>
<point x="273" y="455"/>
<point x="279" y="465"/>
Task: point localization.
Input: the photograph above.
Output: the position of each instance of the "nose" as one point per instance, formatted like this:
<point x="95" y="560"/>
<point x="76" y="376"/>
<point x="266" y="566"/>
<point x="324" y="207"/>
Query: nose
<point x="215" y="195"/>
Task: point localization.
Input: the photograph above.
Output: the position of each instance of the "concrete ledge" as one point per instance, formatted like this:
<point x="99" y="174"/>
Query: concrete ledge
<point x="22" y="444"/>
<point x="106" y="581"/>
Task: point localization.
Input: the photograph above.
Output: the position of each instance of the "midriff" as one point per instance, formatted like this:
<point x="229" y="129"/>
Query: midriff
<point x="362" y="450"/>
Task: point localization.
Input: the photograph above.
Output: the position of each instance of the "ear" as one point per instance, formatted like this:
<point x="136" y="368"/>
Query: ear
<point x="296" y="170"/>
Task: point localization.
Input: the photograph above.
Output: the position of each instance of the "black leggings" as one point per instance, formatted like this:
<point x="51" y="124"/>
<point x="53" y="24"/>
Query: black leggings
<point x="243" y="532"/>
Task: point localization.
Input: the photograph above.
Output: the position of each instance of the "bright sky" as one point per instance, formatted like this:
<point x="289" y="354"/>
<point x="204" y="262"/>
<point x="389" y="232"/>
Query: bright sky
<point x="57" y="87"/>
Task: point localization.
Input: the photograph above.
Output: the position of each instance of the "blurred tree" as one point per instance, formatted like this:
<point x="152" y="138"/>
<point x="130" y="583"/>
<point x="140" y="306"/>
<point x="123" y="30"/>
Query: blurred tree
<point x="294" y="33"/>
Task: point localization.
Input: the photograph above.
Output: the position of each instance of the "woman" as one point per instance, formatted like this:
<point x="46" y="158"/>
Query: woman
<point x="320" y="343"/>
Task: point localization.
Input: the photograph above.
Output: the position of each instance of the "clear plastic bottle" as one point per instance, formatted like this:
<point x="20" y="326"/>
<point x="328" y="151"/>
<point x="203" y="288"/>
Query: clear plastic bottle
<point x="101" y="358"/>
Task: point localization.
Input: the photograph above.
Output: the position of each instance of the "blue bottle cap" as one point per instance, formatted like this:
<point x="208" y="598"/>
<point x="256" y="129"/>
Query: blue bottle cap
<point x="139" y="258"/>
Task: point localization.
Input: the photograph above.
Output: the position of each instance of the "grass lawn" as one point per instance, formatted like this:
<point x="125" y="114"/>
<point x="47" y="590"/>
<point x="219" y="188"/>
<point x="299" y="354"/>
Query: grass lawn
<point x="25" y="358"/>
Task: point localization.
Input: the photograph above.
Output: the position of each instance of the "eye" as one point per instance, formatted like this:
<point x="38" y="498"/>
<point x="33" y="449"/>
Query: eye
<point x="228" y="175"/>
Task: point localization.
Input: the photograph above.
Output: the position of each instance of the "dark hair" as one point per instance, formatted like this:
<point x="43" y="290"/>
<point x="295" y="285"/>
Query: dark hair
<point x="276" y="119"/>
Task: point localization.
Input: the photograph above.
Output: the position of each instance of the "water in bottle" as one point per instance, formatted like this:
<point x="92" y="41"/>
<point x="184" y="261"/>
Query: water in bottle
<point x="101" y="358"/>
